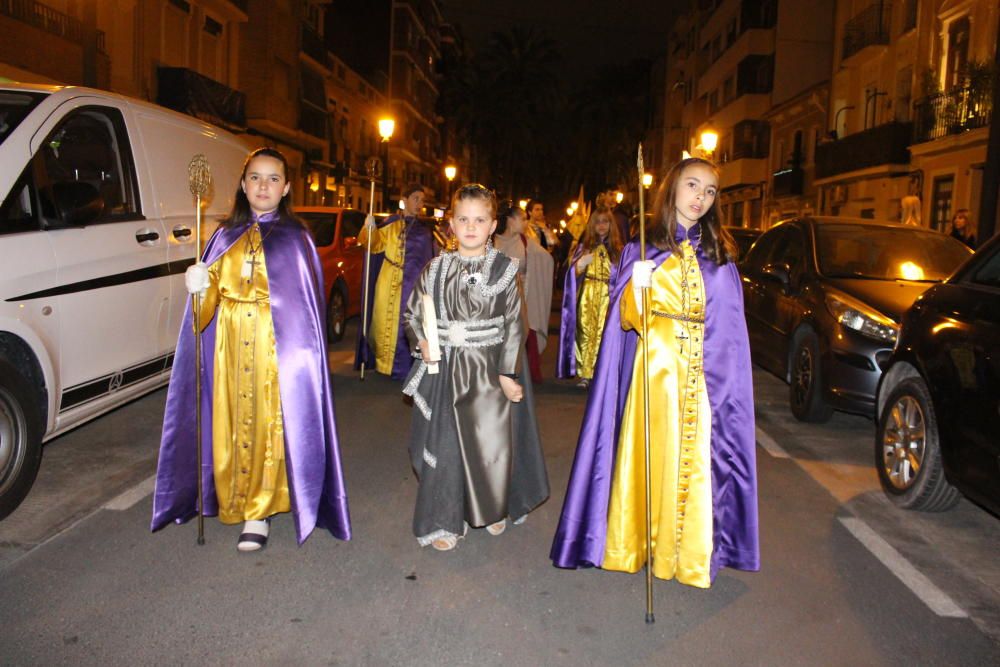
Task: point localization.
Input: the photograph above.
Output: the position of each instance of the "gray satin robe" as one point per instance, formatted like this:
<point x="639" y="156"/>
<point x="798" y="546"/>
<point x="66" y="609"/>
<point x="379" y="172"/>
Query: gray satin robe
<point x="476" y="454"/>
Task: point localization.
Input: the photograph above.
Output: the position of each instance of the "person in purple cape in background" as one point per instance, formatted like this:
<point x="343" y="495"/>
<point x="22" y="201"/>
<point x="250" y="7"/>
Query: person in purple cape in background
<point x="401" y="248"/>
<point x="269" y="435"/>
<point x="702" y="458"/>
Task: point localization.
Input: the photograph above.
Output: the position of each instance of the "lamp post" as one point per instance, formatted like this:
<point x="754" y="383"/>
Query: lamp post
<point x="450" y="171"/>
<point x="647" y="180"/>
<point x="386" y="126"/>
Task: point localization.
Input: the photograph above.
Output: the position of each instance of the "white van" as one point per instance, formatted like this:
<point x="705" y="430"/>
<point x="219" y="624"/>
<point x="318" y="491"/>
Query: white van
<point x="96" y="229"/>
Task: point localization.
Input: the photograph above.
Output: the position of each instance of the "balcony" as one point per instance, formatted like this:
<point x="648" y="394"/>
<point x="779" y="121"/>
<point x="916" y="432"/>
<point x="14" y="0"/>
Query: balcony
<point x="870" y="27"/>
<point x="189" y="92"/>
<point x="51" y="21"/>
<point x="885" y="144"/>
<point x="788" y="182"/>
<point x="944" y="114"/>
<point x="312" y="121"/>
<point x="314" y="47"/>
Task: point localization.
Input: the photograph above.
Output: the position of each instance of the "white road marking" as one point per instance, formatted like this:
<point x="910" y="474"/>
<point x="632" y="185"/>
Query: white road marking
<point x="132" y="496"/>
<point x="937" y="600"/>
<point x="770" y="446"/>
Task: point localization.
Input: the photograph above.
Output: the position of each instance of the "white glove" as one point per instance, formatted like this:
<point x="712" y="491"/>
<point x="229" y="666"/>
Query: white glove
<point x="642" y="277"/>
<point x="196" y="278"/>
<point x="585" y="260"/>
<point x="370" y="222"/>
<point x="642" y="273"/>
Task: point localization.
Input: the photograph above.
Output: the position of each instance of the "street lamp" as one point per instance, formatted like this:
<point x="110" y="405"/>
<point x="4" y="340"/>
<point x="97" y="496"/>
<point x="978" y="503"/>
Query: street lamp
<point x="450" y="171"/>
<point x="647" y="180"/>
<point x="386" y="126"/>
<point x="523" y="204"/>
<point x="709" y="141"/>
<point x="619" y="197"/>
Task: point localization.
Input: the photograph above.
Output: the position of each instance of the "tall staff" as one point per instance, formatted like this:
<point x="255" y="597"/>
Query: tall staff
<point x="199" y="180"/>
<point x="645" y="397"/>
<point x="374" y="167"/>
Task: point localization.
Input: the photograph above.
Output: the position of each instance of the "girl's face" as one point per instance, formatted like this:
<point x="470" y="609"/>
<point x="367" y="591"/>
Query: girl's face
<point x="264" y="184"/>
<point x="538" y="213"/>
<point x="602" y="226"/>
<point x="515" y="222"/>
<point x="472" y="223"/>
<point x="695" y="193"/>
<point x="960" y="221"/>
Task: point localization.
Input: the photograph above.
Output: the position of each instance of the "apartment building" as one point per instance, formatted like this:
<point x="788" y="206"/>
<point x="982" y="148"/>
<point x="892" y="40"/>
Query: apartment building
<point x="911" y="93"/>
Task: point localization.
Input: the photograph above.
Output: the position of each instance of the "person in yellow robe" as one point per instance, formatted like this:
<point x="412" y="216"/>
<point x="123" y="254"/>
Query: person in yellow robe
<point x="270" y="438"/>
<point x="586" y="296"/>
<point x="400" y="249"/>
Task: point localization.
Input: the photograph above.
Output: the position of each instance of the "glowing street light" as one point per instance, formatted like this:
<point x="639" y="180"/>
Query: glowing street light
<point x="647" y="180"/>
<point x="619" y="196"/>
<point x="523" y="204"/>
<point x="574" y="205"/>
<point x="709" y="141"/>
<point x="386" y="126"/>
<point x="450" y="172"/>
<point x="569" y="211"/>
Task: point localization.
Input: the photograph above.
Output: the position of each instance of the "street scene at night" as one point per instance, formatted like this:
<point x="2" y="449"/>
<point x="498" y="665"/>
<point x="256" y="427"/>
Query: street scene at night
<point x="463" y="332"/>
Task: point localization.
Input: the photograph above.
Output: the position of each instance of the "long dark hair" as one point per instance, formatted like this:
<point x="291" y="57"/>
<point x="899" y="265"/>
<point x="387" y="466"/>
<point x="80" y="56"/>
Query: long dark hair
<point x="717" y="244"/>
<point x="508" y="209"/>
<point x="590" y="240"/>
<point x="241" y="213"/>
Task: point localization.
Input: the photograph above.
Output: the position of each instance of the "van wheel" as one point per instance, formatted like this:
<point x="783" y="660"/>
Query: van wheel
<point x="336" y="316"/>
<point x="908" y="451"/>
<point x="805" y="391"/>
<point x="20" y="438"/>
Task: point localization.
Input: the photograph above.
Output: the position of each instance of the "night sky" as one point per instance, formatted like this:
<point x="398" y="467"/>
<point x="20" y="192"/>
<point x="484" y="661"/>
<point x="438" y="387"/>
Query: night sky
<point x="588" y="33"/>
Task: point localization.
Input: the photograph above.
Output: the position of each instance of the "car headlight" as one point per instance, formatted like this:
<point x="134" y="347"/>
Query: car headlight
<point x="866" y="322"/>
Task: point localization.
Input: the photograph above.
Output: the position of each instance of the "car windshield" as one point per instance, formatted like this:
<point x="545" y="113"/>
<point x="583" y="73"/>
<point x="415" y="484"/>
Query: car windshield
<point x="323" y="227"/>
<point x="14" y="107"/>
<point x="887" y="253"/>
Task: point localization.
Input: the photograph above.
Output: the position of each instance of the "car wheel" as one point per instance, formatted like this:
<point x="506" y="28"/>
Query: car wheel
<point x="336" y="316"/>
<point x="805" y="391"/>
<point x="20" y="438"/>
<point x="908" y="452"/>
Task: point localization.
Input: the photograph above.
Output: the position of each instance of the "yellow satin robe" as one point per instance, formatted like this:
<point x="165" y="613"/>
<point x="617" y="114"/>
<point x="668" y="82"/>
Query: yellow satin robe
<point x="248" y="443"/>
<point x="591" y="311"/>
<point x="383" y="330"/>
<point x="680" y="432"/>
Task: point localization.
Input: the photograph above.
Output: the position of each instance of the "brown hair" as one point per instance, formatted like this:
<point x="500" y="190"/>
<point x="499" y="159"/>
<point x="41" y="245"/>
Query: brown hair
<point x="717" y="244"/>
<point x="476" y="191"/>
<point x="590" y="240"/>
<point x="240" y="213"/>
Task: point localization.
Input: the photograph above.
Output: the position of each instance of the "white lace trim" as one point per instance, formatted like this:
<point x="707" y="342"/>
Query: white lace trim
<point x="424" y="540"/>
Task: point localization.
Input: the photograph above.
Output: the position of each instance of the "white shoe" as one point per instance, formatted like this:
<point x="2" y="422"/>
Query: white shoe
<point x="254" y="535"/>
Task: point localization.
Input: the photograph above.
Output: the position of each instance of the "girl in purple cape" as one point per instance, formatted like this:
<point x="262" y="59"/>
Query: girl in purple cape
<point x="702" y="460"/>
<point x="269" y="437"/>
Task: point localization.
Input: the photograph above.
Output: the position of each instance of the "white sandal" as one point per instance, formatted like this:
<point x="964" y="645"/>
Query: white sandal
<point x="497" y="528"/>
<point x="445" y="542"/>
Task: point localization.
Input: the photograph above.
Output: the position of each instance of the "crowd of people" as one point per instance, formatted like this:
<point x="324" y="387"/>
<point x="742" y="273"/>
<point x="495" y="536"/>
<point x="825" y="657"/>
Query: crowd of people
<point x="463" y="328"/>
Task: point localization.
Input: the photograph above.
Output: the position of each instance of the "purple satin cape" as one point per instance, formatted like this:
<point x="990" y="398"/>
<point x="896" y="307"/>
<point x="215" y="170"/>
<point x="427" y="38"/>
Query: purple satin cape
<point x="312" y="454"/>
<point x="566" y="356"/>
<point x="580" y="537"/>
<point x="418" y="251"/>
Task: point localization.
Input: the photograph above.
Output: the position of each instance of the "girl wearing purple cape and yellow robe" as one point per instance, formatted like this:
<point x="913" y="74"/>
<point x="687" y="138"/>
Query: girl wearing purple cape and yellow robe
<point x="703" y="467"/>
<point x="269" y="435"/>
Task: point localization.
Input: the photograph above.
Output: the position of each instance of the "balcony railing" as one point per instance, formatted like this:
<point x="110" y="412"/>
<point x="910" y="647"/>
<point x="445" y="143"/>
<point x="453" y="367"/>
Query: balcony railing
<point x="788" y="182"/>
<point x="868" y="28"/>
<point x="189" y="92"/>
<point x="45" y="18"/>
<point x="955" y="112"/>
<point x="314" y="47"/>
<point x="885" y="144"/>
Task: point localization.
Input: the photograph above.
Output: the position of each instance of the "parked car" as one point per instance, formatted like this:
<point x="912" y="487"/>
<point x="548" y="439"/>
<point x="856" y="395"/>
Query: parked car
<point x="97" y="225"/>
<point x="335" y="231"/>
<point x="744" y="238"/>
<point x="938" y="432"/>
<point x="823" y="298"/>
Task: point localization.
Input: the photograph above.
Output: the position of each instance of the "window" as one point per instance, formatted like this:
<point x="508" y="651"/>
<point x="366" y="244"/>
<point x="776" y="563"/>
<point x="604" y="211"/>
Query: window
<point x="958" y="52"/>
<point x="728" y="89"/>
<point x="941" y="195"/>
<point x="910" y="14"/>
<point x="87" y="161"/>
<point x="17" y="213"/>
<point x="904" y="93"/>
<point x="351" y="224"/>
<point x="988" y="273"/>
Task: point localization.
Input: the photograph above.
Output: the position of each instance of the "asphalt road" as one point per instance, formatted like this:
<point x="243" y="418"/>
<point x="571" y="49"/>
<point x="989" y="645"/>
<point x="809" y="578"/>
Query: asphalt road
<point x="847" y="579"/>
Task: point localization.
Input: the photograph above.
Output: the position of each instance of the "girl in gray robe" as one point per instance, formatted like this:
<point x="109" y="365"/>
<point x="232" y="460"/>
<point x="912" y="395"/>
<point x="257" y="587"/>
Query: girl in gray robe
<point x="474" y="441"/>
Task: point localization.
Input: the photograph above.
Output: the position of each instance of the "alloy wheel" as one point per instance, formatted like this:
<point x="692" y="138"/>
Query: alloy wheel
<point x="904" y="442"/>
<point x="803" y="375"/>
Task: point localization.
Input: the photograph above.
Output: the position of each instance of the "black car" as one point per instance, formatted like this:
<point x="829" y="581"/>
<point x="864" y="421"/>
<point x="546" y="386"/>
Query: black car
<point x="823" y="298"/>
<point x="938" y="429"/>
<point x="744" y="238"/>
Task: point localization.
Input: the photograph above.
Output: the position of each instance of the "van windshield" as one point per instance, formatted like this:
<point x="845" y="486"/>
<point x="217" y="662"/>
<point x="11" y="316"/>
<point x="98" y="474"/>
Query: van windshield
<point x="15" y="105"/>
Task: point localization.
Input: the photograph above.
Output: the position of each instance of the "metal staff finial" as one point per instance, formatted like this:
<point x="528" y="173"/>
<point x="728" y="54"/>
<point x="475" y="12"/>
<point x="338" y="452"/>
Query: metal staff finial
<point x="199" y="181"/>
<point x="646" y="305"/>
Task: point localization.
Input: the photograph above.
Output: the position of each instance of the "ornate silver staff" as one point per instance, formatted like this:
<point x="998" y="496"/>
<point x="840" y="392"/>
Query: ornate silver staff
<point x="645" y="398"/>
<point x="374" y="166"/>
<point x="199" y="180"/>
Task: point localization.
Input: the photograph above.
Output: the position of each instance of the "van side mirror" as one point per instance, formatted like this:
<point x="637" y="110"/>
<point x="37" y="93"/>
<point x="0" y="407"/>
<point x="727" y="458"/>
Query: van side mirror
<point x="350" y="242"/>
<point x="77" y="203"/>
